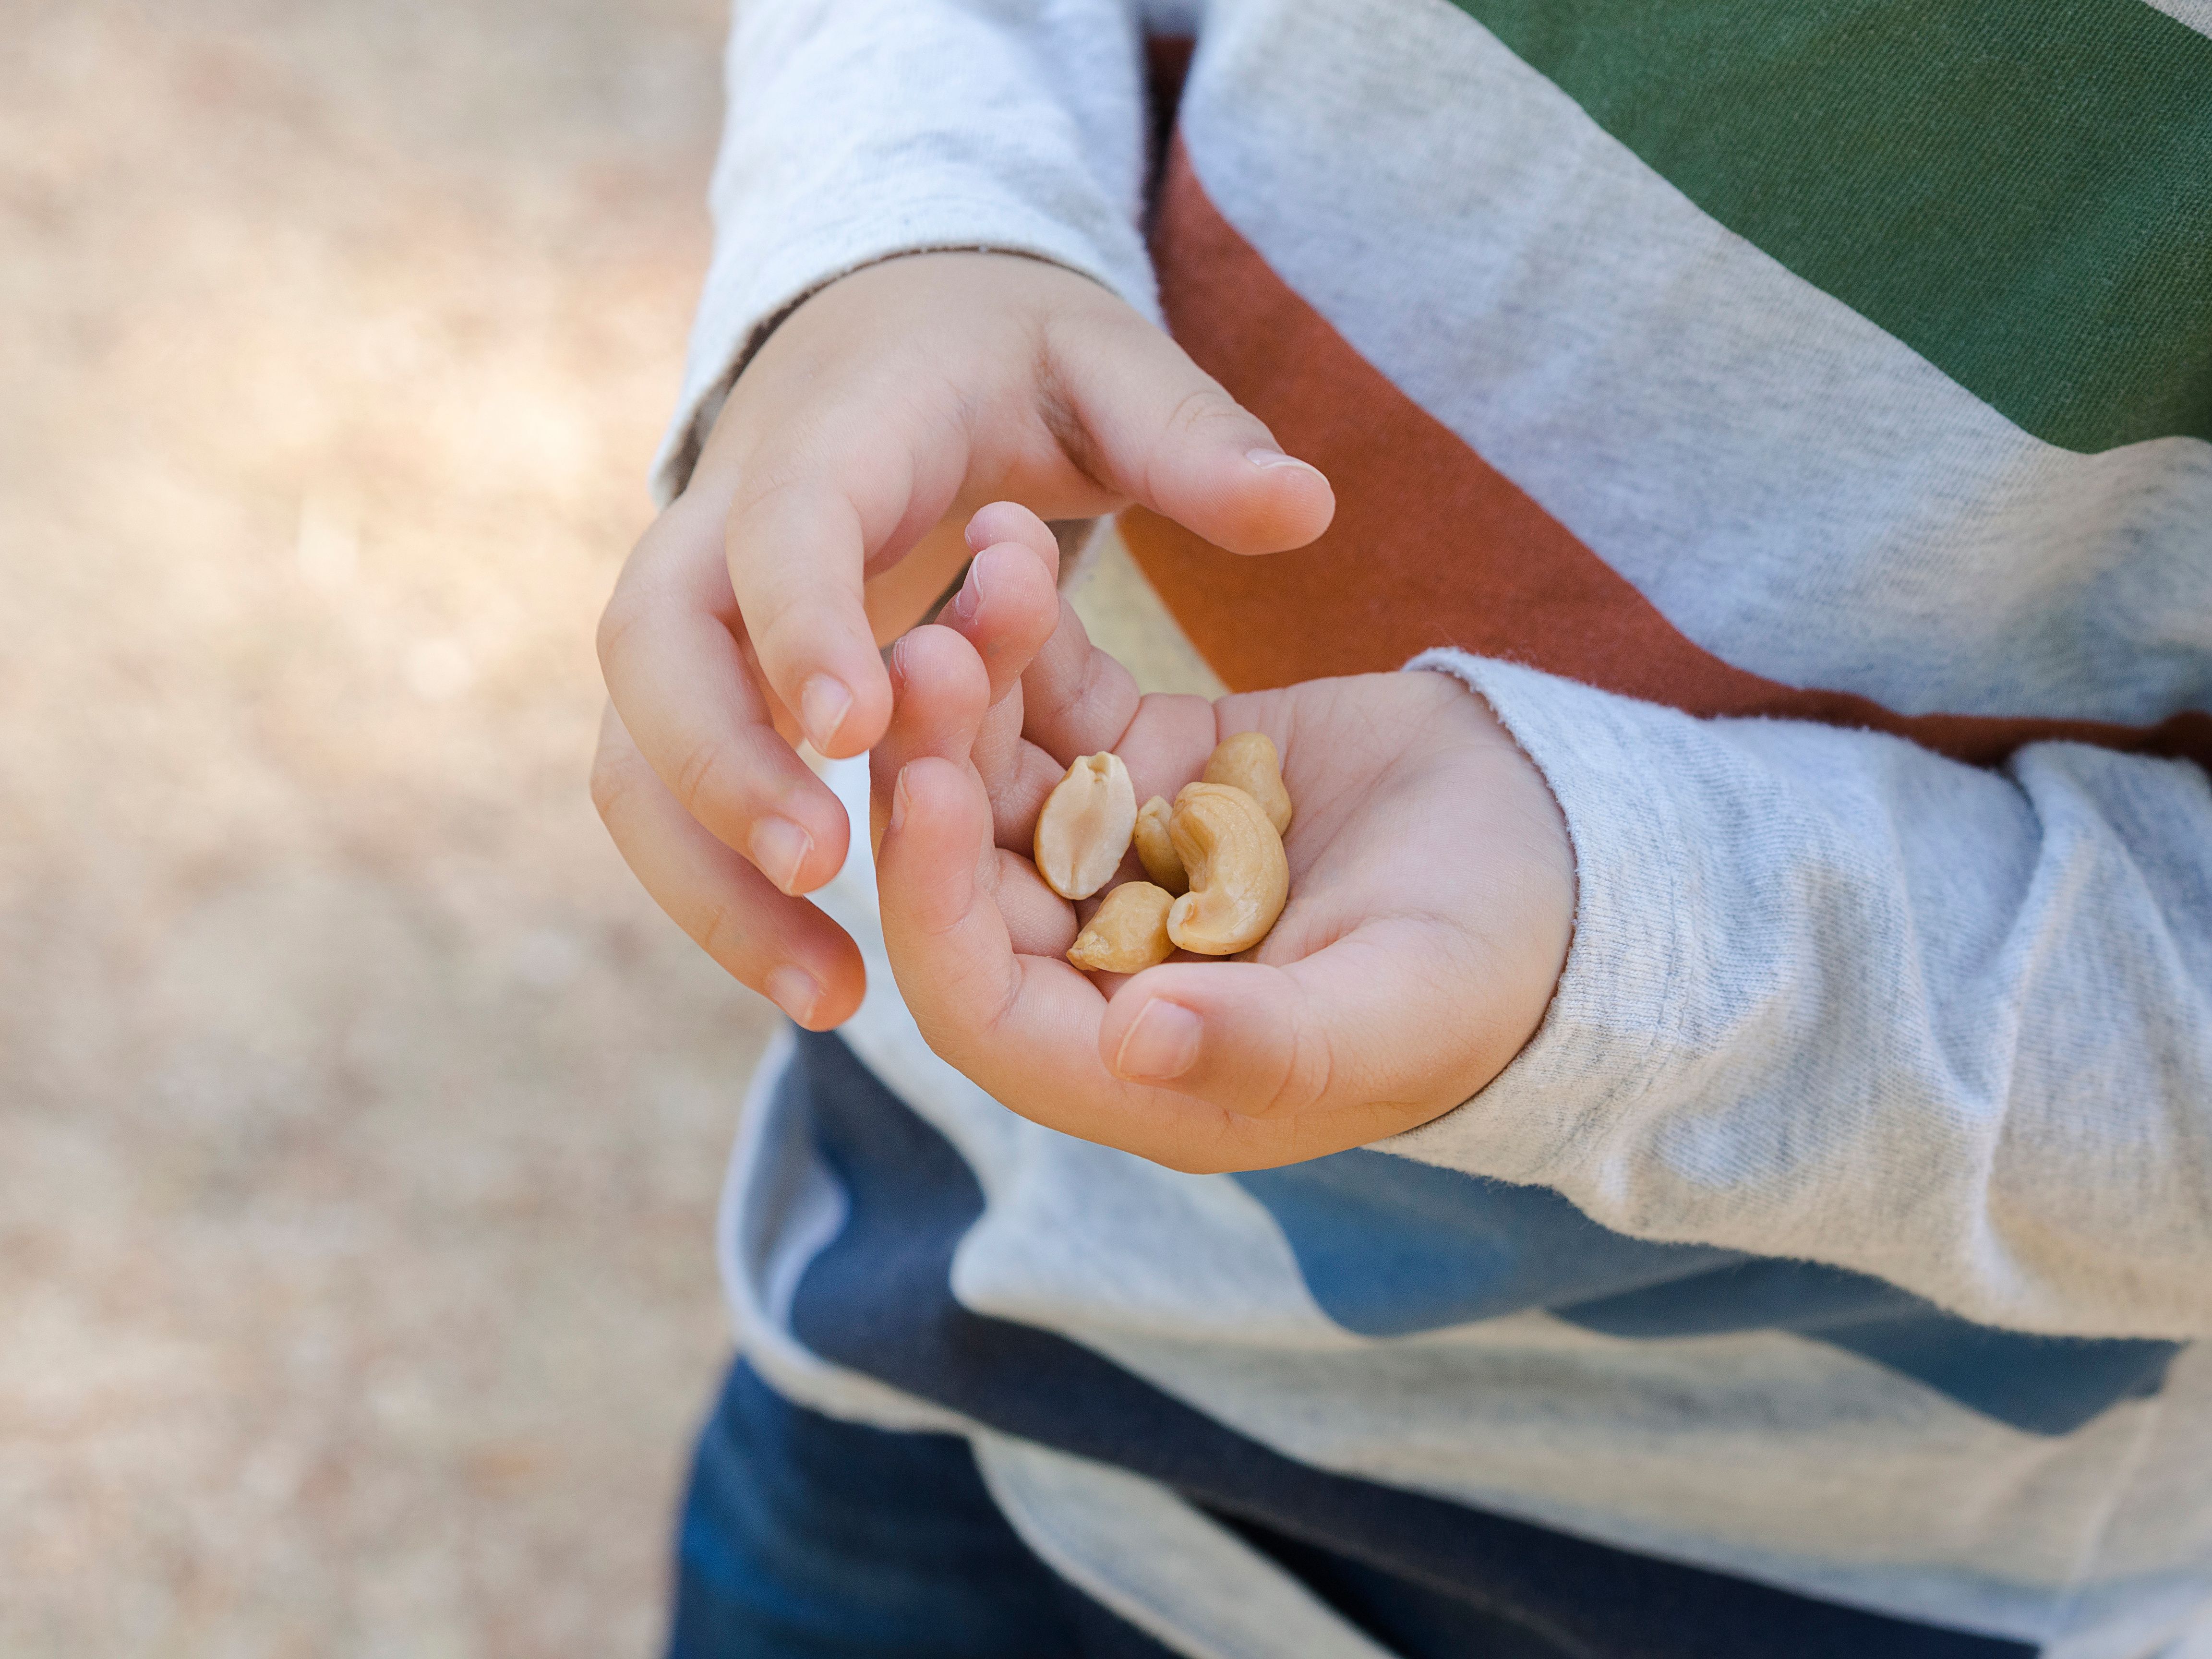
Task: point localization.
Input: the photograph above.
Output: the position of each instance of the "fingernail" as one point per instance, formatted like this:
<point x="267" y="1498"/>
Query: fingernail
<point x="823" y="703"/>
<point x="969" y="599"/>
<point x="794" y="991"/>
<point x="1268" y="460"/>
<point x="1162" y="1044"/>
<point x="898" y="799"/>
<point x="779" y="846"/>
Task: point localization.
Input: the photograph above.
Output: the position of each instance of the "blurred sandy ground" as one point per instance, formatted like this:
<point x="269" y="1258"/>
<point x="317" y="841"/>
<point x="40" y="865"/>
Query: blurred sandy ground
<point x="360" y="1121"/>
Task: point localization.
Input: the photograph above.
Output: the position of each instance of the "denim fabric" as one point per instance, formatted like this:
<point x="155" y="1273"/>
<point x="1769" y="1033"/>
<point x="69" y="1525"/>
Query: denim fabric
<point x="807" y="1538"/>
<point x="804" y="1537"/>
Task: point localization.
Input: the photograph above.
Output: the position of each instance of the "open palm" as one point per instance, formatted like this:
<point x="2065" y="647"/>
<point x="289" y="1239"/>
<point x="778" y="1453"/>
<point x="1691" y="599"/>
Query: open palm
<point x="1431" y="891"/>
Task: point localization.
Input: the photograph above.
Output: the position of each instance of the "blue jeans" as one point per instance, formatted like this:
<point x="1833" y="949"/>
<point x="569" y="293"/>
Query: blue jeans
<point x="804" y="1537"/>
<point x="808" y="1538"/>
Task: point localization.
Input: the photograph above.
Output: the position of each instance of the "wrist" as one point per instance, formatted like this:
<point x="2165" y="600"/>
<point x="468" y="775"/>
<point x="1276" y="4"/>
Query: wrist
<point x="1530" y="910"/>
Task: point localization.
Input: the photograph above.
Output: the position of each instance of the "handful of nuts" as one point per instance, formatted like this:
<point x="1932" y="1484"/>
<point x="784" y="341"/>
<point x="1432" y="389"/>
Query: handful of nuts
<point x="1218" y="878"/>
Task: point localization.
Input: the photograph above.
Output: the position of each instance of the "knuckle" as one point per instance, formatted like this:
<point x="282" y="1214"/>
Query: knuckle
<point x="952" y="1043"/>
<point x="703" y="783"/>
<point x="998" y="1012"/>
<point x="716" y="928"/>
<point x="611" y="783"/>
<point x="1213" y="1153"/>
<point x="951" y="1030"/>
<point x="1088" y="700"/>
<point x="1201" y="416"/>
<point x="1308" y="1073"/>
<point x="1058" y="411"/>
<point x="1203" y="407"/>
<point x="625" y="613"/>
<point x="768" y="485"/>
<point x="782" y="619"/>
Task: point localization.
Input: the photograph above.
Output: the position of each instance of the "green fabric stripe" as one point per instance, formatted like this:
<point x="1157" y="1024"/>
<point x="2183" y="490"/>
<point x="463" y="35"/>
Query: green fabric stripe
<point x="2022" y="193"/>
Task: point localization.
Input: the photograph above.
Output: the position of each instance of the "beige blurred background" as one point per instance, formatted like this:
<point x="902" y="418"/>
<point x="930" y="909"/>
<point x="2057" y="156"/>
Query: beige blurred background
<point x="361" y="1122"/>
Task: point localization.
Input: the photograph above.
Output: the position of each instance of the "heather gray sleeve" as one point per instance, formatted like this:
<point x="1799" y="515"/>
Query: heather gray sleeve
<point x="861" y="129"/>
<point x="1833" y="997"/>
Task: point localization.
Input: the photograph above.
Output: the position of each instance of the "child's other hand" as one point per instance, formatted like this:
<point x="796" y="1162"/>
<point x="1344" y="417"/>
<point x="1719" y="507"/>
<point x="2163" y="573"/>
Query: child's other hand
<point x="1432" y="893"/>
<point x="892" y="402"/>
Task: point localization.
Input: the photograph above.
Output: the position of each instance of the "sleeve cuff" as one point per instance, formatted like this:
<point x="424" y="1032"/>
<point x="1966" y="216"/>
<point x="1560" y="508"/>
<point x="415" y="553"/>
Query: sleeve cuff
<point x="1547" y="1117"/>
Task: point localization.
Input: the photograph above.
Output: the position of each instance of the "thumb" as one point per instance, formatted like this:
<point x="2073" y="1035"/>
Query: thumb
<point x="1159" y="429"/>
<point x="1355" y="1037"/>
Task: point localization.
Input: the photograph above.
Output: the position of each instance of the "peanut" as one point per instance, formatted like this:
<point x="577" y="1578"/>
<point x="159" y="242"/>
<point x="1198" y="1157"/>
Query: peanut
<point x="1156" y="848"/>
<point x="1084" y="825"/>
<point x="1249" y="761"/>
<point x="1239" y="879"/>
<point x="1129" y="932"/>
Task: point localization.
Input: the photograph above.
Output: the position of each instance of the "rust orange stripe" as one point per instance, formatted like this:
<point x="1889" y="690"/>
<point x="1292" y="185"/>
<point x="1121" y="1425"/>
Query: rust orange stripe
<point x="1431" y="545"/>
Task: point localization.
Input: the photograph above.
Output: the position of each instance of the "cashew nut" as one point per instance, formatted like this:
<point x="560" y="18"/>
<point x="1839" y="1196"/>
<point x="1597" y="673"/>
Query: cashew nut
<point x="1249" y="761"/>
<point x="1239" y="879"/>
<point x="1085" y="826"/>
<point x="1156" y="850"/>
<point x="1130" y="931"/>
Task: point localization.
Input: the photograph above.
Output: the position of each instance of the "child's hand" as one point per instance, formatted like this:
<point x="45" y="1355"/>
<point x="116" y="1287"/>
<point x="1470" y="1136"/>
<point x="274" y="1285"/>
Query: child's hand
<point x="904" y="393"/>
<point x="1432" y="895"/>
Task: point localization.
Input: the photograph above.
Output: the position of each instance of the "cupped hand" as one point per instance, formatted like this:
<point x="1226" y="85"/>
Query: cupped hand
<point x="874" y="418"/>
<point x="1432" y="898"/>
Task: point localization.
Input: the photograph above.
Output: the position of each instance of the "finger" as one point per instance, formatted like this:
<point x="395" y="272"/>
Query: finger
<point x="1025" y="1028"/>
<point x="942" y="694"/>
<point x="692" y="708"/>
<point x="1039" y="922"/>
<point x="1344" y="1046"/>
<point x="1010" y="521"/>
<point x="783" y="947"/>
<point x="832" y="491"/>
<point x="1076" y="699"/>
<point x="935" y="869"/>
<point x="1007" y="1021"/>
<point x="1006" y="609"/>
<point x="1150" y="422"/>
<point x="1018" y="775"/>
<point x="910" y="591"/>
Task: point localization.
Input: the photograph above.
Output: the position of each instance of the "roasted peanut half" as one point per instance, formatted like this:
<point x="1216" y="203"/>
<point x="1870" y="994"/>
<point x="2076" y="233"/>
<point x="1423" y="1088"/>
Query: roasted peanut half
<point x="1156" y="848"/>
<point x="1129" y="932"/>
<point x="1084" y="825"/>
<point x="1249" y="761"/>
<point x="1239" y="879"/>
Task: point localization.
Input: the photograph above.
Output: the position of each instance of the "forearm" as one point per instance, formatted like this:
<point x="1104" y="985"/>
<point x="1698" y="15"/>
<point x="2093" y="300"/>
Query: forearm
<point x="1834" y="997"/>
